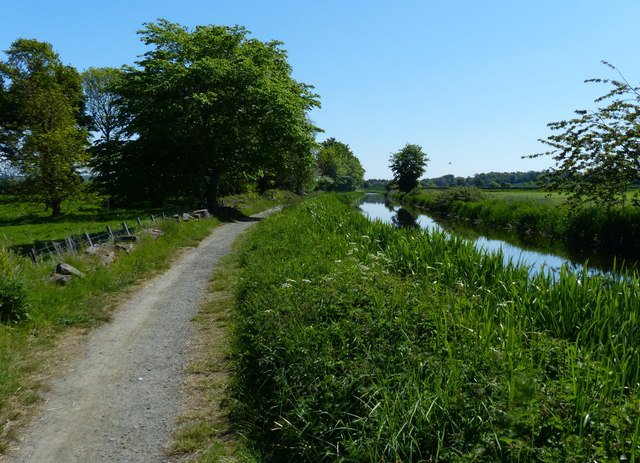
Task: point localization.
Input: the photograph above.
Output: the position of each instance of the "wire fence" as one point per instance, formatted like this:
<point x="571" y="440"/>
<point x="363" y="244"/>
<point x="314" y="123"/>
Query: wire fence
<point x="40" y="251"/>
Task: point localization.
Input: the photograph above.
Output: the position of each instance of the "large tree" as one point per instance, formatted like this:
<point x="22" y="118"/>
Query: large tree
<point x="41" y="117"/>
<point x="339" y="168"/>
<point x="407" y="166"/>
<point x="107" y="122"/>
<point x="210" y="105"/>
<point x="597" y="153"/>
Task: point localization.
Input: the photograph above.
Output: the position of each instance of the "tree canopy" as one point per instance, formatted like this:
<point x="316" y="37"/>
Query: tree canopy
<point x="338" y="167"/>
<point x="41" y="122"/>
<point x="597" y="154"/>
<point x="207" y="106"/>
<point x="407" y="166"/>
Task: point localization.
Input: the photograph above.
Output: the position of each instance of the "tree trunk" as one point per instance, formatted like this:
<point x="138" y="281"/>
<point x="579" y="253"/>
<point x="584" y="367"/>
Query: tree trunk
<point x="212" y="193"/>
<point x="56" y="207"/>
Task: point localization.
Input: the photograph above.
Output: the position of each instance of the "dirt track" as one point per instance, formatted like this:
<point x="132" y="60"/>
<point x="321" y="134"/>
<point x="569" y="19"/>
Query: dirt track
<point x="120" y="401"/>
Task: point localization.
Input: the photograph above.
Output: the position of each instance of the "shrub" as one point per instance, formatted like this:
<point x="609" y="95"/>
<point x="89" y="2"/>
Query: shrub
<point x="13" y="296"/>
<point x="447" y="198"/>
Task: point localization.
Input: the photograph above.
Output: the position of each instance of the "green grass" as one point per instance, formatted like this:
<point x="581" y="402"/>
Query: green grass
<point x="26" y="345"/>
<point x="25" y="223"/>
<point x="361" y="342"/>
<point x="531" y="217"/>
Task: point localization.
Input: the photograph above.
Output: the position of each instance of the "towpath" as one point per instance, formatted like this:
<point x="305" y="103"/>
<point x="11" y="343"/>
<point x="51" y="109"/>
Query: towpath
<point x="119" y="402"/>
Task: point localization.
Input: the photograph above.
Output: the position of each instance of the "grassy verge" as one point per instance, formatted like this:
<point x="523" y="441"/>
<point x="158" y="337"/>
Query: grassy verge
<point x="360" y="342"/>
<point x="206" y="431"/>
<point x="590" y="229"/>
<point x="28" y="347"/>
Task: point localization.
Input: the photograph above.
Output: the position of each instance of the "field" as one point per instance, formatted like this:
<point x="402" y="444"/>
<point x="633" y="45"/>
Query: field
<point x="378" y="344"/>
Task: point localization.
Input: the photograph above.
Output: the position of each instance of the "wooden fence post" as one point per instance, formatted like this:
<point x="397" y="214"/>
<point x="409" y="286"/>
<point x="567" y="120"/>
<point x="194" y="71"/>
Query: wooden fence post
<point x="33" y="255"/>
<point x="70" y="244"/>
<point x="88" y="238"/>
<point x="139" y="222"/>
<point x="125" y="228"/>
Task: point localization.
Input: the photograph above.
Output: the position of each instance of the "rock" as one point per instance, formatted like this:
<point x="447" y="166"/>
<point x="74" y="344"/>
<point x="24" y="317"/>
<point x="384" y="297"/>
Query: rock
<point x="66" y="269"/>
<point x="153" y="232"/>
<point x="59" y="279"/>
<point x="201" y="214"/>
<point x="124" y="248"/>
<point x="93" y="250"/>
<point x="107" y="258"/>
<point x="186" y="216"/>
<point x="127" y="239"/>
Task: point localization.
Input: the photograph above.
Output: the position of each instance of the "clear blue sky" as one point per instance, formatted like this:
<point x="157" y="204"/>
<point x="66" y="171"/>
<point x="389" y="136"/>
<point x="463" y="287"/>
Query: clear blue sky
<point x="473" y="82"/>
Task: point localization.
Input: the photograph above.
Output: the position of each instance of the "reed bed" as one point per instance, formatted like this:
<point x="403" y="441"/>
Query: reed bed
<point x="587" y="229"/>
<point x="361" y="342"/>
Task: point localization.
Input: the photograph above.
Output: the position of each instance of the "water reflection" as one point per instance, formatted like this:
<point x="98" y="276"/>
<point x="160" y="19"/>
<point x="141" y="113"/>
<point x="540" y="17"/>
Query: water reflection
<point x="375" y="206"/>
<point x="404" y="219"/>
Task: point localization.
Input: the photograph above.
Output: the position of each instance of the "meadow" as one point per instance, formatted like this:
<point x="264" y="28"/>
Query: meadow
<point x="35" y="314"/>
<point x="356" y="341"/>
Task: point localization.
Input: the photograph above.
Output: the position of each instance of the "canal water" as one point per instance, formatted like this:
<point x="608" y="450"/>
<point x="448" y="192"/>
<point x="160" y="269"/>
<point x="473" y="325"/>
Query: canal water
<point x="375" y="206"/>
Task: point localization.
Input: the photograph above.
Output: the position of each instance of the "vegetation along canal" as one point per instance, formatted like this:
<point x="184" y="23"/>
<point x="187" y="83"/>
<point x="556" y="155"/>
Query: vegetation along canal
<point x="376" y="206"/>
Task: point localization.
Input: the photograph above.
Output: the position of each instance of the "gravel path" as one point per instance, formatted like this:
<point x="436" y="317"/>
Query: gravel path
<point x="120" y="401"/>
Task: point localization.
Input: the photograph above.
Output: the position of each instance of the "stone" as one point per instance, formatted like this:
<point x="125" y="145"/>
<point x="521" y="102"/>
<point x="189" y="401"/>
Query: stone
<point x="154" y="232"/>
<point x="124" y="247"/>
<point x="59" y="279"/>
<point x="107" y="258"/>
<point x="186" y="216"/>
<point x="201" y="214"/>
<point x="93" y="250"/>
<point x="66" y="269"/>
<point x="127" y="239"/>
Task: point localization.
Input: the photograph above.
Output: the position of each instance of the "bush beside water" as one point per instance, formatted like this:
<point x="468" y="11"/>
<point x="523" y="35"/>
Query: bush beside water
<point x="360" y="342"/>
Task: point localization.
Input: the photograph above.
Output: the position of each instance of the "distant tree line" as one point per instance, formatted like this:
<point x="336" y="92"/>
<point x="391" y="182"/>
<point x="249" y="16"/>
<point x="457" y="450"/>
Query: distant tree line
<point x="486" y="180"/>
<point x="204" y="112"/>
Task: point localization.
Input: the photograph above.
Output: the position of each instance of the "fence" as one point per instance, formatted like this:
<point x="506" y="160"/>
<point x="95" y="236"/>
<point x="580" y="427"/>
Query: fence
<point x="39" y="250"/>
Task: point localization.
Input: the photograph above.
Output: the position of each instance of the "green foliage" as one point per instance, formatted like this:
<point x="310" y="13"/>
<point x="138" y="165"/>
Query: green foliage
<point x="597" y="154"/>
<point x="40" y="123"/>
<point x="13" y="297"/>
<point x="407" y="166"/>
<point x="210" y="107"/>
<point x="589" y="230"/>
<point x="339" y="168"/>
<point x="377" y="344"/>
<point x="504" y="179"/>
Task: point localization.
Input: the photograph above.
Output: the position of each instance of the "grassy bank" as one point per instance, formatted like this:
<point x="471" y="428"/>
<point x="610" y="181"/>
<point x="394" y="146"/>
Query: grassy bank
<point x="27" y="341"/>
<point x="590" y="229"/>
<point x="360" y="342"/>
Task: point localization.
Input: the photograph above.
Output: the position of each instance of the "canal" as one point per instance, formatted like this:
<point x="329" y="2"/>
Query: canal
<point x="376" y="206"/>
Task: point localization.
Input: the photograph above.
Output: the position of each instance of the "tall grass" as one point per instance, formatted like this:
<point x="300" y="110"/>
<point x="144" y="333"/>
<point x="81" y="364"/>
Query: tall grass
<point x="361" y="342"/>
<point x="588" y="229"/>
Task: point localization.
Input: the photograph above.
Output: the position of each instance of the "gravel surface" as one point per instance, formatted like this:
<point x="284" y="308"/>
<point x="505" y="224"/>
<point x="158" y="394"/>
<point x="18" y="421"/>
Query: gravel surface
<point x="120" y="401"/>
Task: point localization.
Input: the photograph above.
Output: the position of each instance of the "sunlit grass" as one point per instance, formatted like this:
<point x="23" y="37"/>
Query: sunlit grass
<point x="26" y="345"/>
<point x="361" y="342"/>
